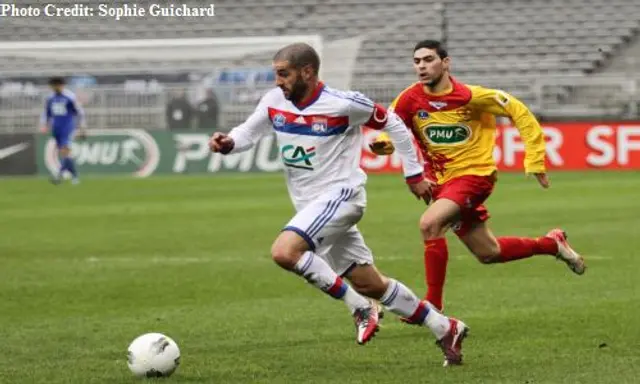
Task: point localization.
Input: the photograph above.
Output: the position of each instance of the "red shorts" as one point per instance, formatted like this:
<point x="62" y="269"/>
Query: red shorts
<point x="469" y="192"/>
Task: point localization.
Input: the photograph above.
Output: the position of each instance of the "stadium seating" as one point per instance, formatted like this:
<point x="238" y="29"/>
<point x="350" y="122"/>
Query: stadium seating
<point x="516" y="38"/>
<point x="538" y="36"/>
<point x="502" y="43"/>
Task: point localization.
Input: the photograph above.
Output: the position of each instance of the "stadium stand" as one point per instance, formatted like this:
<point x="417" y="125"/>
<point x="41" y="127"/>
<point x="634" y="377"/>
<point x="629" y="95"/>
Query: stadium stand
<point x="522" y="46"/>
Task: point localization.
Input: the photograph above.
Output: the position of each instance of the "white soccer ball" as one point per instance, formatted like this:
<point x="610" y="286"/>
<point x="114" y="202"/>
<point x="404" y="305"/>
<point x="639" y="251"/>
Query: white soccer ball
<point x="153" y="355"/>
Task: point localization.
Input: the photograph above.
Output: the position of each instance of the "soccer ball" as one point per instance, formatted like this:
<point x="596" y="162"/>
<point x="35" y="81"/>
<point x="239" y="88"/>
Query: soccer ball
<point x="153" y="355"/>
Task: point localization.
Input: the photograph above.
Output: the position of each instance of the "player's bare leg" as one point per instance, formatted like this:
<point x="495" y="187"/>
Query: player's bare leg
<point x="63" y="153"/>
<point x="292" y="252"/>
<point x="488" y="249"/>
<point x="395" y="296"/>
<point x="434" y="224"/>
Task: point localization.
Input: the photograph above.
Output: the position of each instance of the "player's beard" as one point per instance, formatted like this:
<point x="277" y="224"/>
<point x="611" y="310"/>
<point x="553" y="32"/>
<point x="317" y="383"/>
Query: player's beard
<point x="298" y="90"/>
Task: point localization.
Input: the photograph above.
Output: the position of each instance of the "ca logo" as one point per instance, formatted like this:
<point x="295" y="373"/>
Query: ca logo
<point x="297" y="156"/>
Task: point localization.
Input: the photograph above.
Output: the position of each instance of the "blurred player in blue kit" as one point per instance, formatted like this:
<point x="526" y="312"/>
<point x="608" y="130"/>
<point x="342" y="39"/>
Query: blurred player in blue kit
<point x="61" y="115"/>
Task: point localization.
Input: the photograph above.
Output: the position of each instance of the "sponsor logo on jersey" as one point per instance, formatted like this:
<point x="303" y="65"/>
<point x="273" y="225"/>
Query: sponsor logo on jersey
<point x="438" y="104"/>
<point x="441" y="134"/>
<point x="297" y="156"/>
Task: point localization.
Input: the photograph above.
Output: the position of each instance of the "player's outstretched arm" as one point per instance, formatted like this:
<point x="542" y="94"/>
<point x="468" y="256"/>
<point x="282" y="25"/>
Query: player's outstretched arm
<point x="244" y="136"/>
<point x="400" y="106"/>
<point x="364" y="112"/>
<point x="401" y="139"/>
<point x="413" y="169"/>
<point x="501" y="103"/>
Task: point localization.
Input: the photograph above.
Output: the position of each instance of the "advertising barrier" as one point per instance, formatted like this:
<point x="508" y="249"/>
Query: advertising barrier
<point x="142" y="153"/>
<point x="570" y="146"/>
<point x="17" y="154"/>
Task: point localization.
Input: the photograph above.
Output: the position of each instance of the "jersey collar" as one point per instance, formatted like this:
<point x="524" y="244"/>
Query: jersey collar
<point x="456" y="97"/>
<point x="312" y="98"/>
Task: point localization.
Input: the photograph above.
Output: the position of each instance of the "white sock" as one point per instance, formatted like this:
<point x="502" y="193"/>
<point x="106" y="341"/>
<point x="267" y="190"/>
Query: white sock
<point x="402" y="301"/>
<point x="317" y="272"/>
<point x="399" y="299"/>
<point x="438" y="323"/>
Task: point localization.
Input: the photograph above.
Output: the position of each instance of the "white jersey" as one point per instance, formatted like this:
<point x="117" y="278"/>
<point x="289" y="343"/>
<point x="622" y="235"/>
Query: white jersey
<point x="320" y="142"/>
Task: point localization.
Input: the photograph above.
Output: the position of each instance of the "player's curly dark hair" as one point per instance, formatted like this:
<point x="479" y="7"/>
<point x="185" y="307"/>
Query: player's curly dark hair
<point x="433" y="44"/>
<point x="299" y="55"/>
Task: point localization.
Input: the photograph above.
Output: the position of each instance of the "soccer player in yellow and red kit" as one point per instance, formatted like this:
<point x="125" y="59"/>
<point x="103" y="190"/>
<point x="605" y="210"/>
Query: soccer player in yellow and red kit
<point x="454" y="125"/>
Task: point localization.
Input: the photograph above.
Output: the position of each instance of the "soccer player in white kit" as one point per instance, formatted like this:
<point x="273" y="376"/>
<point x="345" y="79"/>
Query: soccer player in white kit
<point x="320" y="138"/>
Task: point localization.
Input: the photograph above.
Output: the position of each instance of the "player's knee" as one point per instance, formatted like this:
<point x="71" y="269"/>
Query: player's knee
<point x="431" y="228"/>
<point x="287" y="249"/>
<point x="488" y="254"/>
<point x="284" y="256"/>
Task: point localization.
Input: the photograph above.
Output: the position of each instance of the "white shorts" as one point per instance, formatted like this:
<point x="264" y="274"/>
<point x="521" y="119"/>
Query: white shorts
<point x="328" y="224"/>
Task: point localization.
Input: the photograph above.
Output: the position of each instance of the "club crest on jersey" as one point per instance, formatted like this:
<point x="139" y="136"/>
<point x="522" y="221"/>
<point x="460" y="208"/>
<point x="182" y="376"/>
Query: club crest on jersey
<point x="297" y="156"/>
<point x="443" y="134"/>
<point x="279" y="120"/>
<point x="319" y="125"/>
<point x="438" y="104"/>
<point x="422" y="114"/>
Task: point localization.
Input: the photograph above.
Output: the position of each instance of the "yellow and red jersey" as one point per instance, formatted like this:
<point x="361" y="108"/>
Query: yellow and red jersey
<point x="456" y="129"/>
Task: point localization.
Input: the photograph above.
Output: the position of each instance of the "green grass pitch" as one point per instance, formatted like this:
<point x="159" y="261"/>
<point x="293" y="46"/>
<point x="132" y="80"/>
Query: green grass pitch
<point x="86" y="269"/>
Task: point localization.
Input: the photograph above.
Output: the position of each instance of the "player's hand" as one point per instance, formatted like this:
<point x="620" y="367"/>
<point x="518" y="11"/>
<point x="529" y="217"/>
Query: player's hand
<point x="382" y="146"/>
<point x="221" y="142"/>
<point x="422" y="190"/>
<point x="543" y="180"/>
<point x="43" y="129"/>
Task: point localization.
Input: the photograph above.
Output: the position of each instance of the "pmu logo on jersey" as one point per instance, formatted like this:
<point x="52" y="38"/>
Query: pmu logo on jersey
<point x="131" y="151"/>
<point x="297" y="156"/>
<point x="447" y="134"/>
